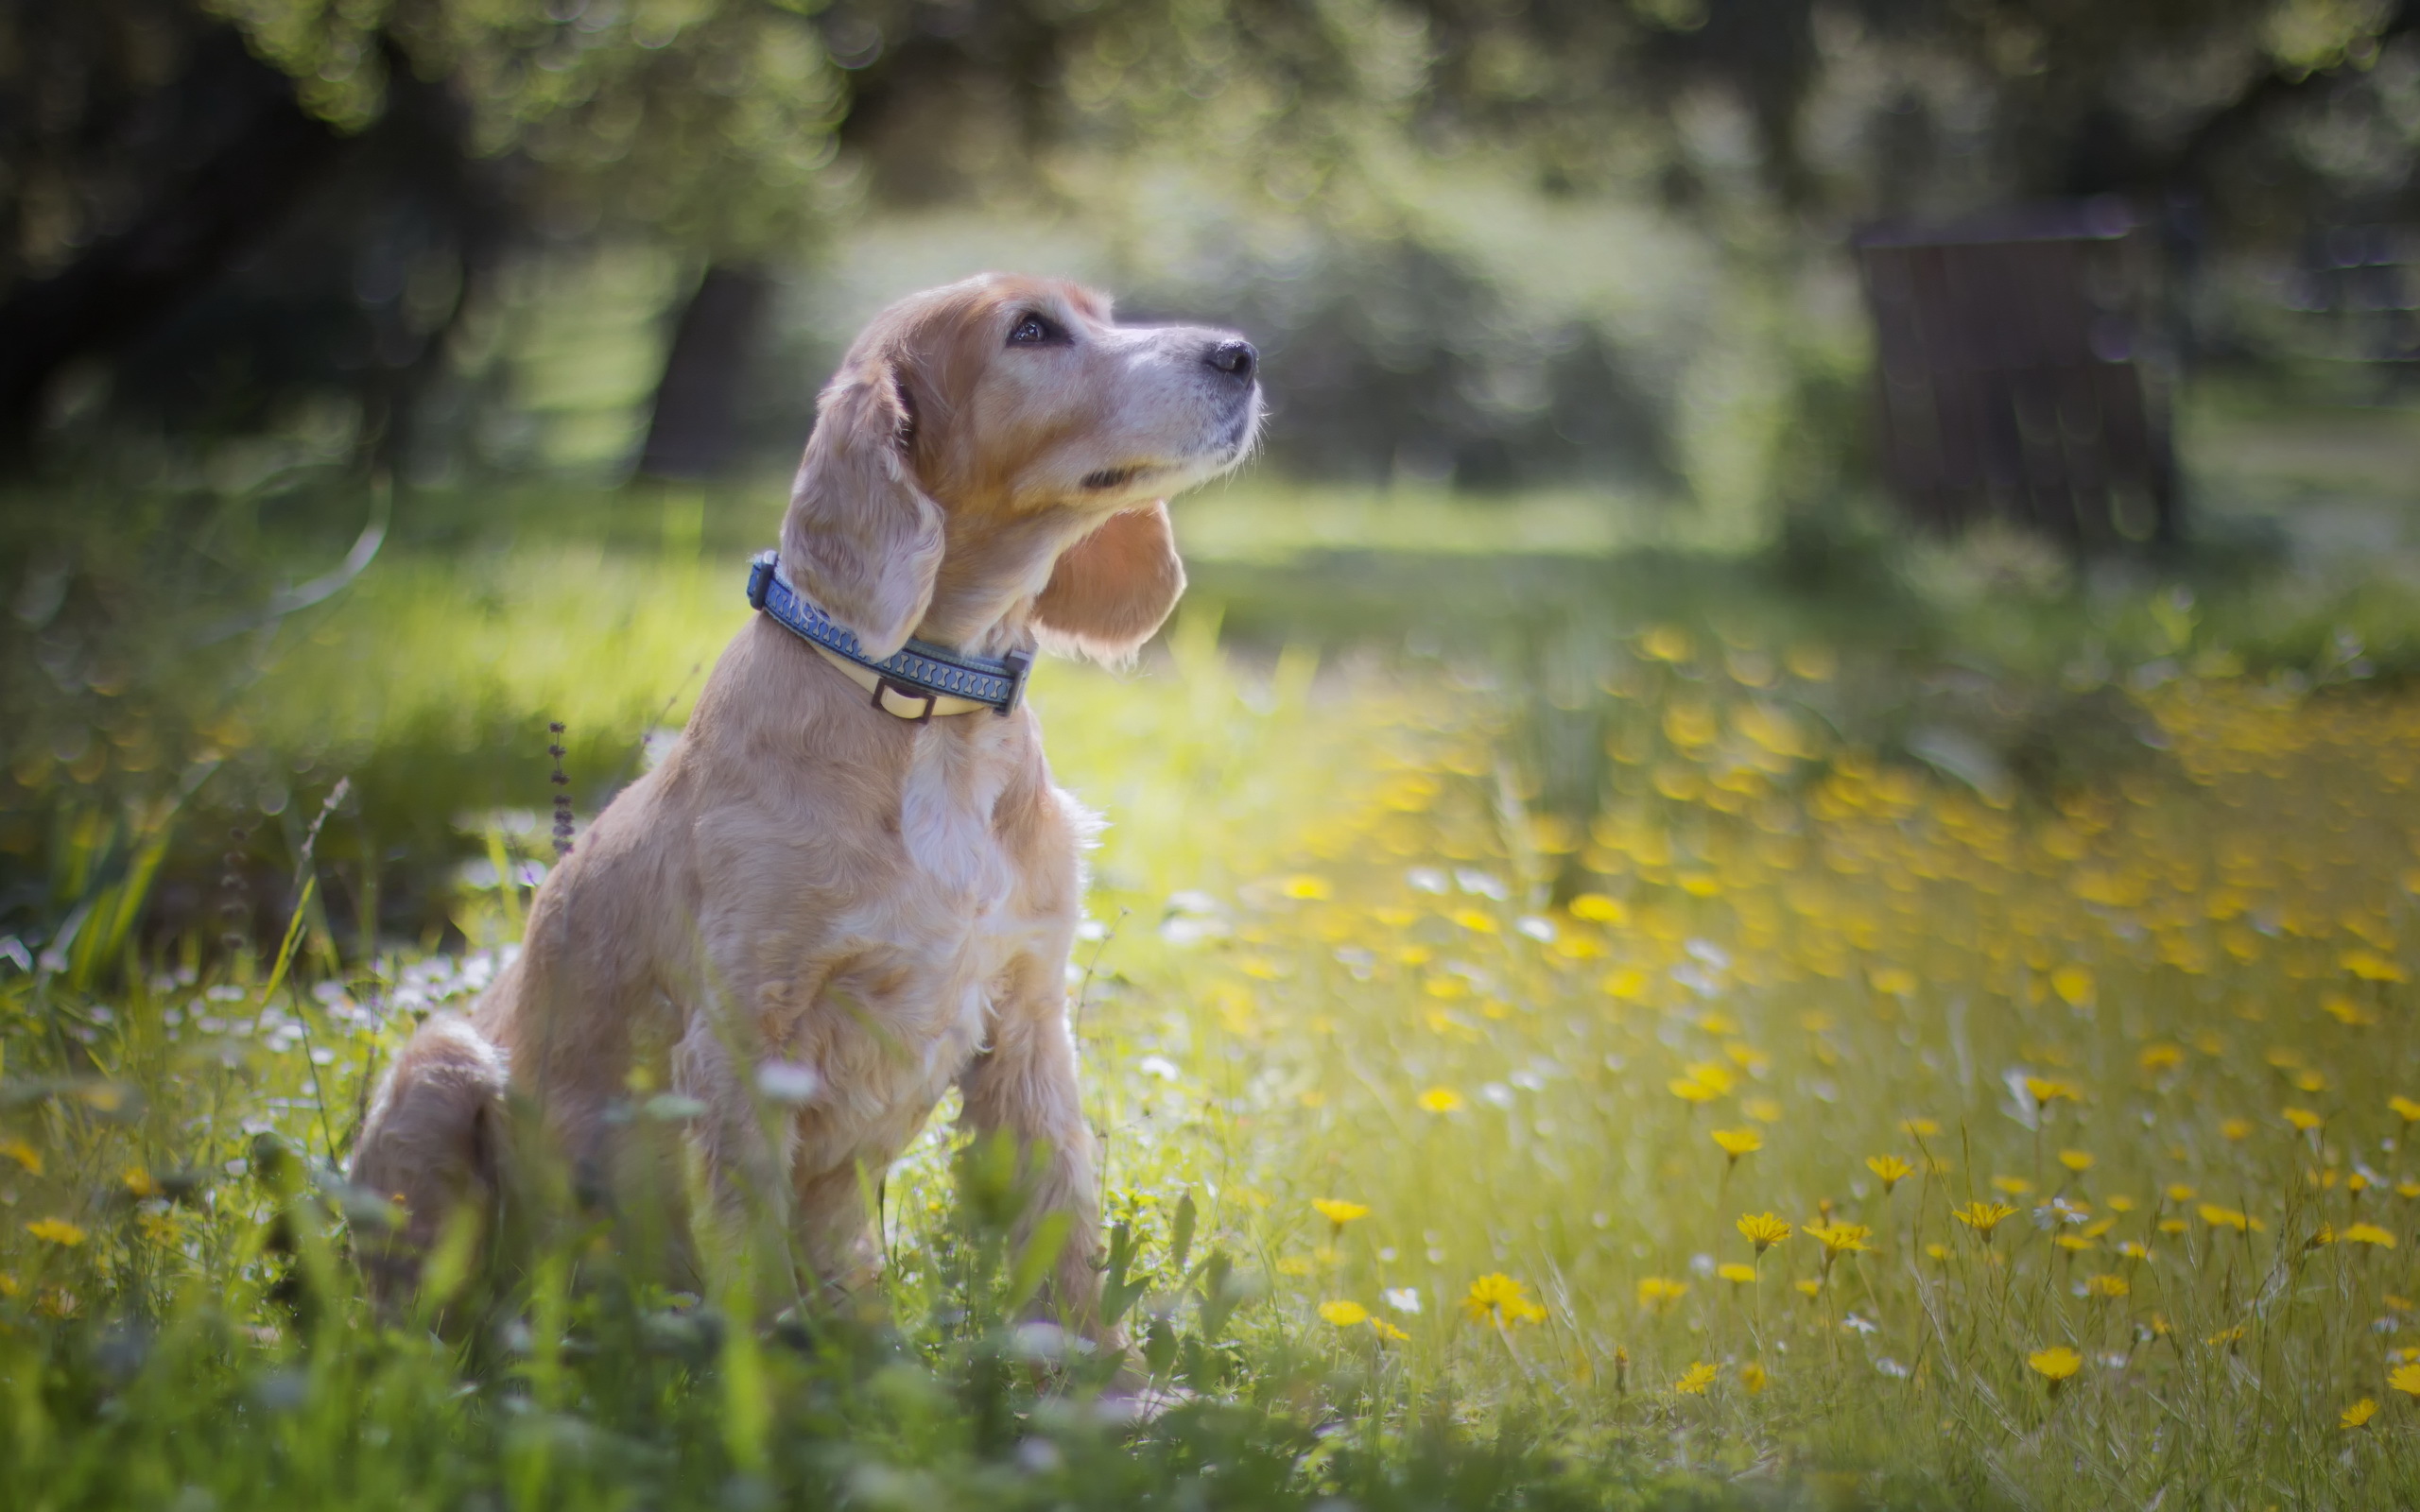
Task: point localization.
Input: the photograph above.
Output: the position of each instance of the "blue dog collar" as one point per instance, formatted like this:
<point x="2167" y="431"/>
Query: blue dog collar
<point x="921" y="674"/>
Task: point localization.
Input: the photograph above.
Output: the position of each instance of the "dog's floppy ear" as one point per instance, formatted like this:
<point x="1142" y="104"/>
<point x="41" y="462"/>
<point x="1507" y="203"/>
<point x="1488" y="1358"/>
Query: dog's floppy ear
<point x="861" y="539"/>
<point x="1110" y="590"/>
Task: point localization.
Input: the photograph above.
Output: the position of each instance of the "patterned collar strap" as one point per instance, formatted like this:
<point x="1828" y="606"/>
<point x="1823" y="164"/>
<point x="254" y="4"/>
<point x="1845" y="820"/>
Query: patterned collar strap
<point x="921" y="682"/>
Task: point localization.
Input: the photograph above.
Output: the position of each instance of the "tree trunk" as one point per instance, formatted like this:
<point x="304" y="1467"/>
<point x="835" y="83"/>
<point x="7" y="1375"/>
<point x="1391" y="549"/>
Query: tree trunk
<point x="696" y="428"/>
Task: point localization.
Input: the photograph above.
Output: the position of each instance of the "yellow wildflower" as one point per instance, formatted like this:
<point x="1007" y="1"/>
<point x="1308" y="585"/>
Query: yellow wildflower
<point x="2344" y="1010"/>
<point x="1736" y="1274"/>
<point x="1666" y="642"/>
<point x="2405" y="1379"/>
<point x="1342" y="1314"/>
<point x="2236" y="1128"/>
<point x="139" y="1183"/>
<point x="2105" y="1285"/>
<point x="1840" y="1238"/>
<point x="1657" y="1292"/>
<point x="1892" y="1169"/>
<point x="1339" y="1211"/>
<point x="2303" y="1119"/>
<point x="2218" y="1217"/>
<point x="1919" y="1128"/>
<point x="2404" y="1108"/>
<point x="1753" y="1377"/>
<point x="1983" y="1217"/>
<point x="1763" y="1110"/>
<point x="1695" y="1380"/>
<point x="1809" y="1287"/>
<point x="2076" y="1160"/>
<point x="2367" y="1233"/>
<point x="1629" y="983"/>
<point x="1598" y="909"/>
<point x="1712" y="1075"/>
<point x="23" y="1154"/>
<point x="56" y="1232"/>
<point x="1690" y="1089"/>
<point x="2358" y="1414"/>
<point x="2371" y="966"/>
<point x="1500" y="1298"/>
<point x="2073" y="984"/>
<point x="1440" y="1100"/>
<point x="2045" y="1091"/>
<point x="1763" y="1230"/>
<point x="1387" y="1331"/>
<point x="1897" y="981"/>
<point x="2055" y="1363"/>
<point x="1736" y="1142"/>
<point x="1306" y="886"/>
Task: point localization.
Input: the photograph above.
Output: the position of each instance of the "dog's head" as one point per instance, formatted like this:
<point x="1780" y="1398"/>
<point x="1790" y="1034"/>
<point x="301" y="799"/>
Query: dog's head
<point x="1003" y="441"/>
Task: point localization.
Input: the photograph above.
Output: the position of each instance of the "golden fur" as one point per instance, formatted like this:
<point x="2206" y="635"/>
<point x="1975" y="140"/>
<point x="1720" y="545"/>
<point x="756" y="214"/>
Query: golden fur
<point x="876" y="908"/>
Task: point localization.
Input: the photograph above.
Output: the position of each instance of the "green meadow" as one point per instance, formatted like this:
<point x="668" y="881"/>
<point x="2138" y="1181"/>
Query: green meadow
<point x="1579" y="1014"/>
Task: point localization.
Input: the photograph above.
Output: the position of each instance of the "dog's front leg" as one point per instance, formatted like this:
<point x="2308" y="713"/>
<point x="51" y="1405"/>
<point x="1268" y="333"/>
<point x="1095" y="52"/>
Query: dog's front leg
<point x="1025" y="1085"/>
<point x="745" y="1155"/>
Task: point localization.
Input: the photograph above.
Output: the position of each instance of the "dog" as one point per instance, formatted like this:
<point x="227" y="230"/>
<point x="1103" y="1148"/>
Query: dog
<point x="851" y="884"/>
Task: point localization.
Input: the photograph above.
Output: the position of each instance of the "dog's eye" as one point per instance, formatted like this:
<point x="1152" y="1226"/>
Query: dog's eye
<point x="1032" y="330"/>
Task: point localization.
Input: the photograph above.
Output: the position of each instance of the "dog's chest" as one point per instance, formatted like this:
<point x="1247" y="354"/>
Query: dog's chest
<point x="949" y="799"/>
<point x="908" y="1004"/>
<point x="959" y="916"/>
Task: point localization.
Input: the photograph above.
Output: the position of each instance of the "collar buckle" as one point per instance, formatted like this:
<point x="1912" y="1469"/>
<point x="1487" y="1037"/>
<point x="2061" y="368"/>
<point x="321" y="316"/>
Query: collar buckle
<point x="887" y="688"/>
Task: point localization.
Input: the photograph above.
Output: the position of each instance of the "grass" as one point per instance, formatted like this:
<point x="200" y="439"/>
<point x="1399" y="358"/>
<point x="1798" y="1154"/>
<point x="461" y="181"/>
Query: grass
<point x="1445" y="1008"/>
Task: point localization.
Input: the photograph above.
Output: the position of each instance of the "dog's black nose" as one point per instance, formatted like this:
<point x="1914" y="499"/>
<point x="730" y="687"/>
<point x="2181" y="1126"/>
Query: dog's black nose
<point x="1237" y="359"/>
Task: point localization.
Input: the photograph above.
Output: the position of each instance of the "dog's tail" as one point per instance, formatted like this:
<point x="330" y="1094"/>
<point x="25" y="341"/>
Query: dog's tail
<point x="433" y="1142"/>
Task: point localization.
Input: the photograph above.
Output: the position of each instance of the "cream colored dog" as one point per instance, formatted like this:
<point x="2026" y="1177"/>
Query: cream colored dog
<point x="813" y="896"/>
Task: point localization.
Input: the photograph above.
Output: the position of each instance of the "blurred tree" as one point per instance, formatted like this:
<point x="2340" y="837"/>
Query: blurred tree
<point x="1849" y="107"/>
<point x="344" y="174"/>
<point x="178" y="209"/>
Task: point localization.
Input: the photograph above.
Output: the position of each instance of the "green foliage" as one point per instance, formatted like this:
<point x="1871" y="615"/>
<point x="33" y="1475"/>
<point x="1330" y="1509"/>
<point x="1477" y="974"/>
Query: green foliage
<point x="708" y="123"/>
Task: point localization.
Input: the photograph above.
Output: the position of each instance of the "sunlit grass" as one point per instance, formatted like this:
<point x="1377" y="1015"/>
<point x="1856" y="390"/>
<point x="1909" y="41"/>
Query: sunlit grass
<point x="1789" y="1112"/>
